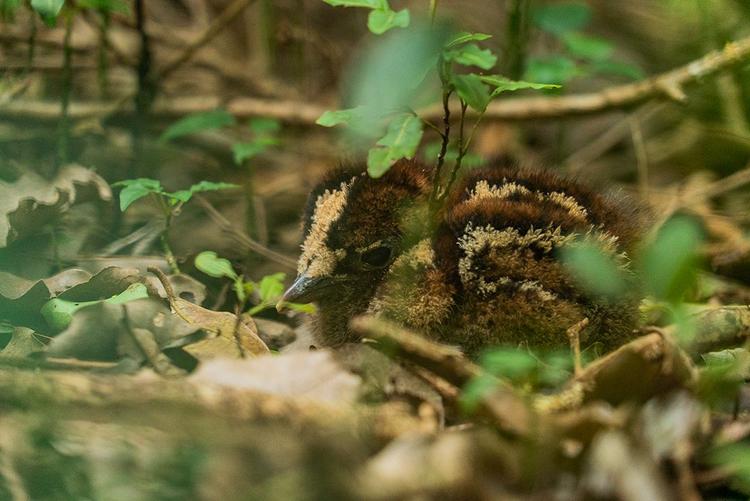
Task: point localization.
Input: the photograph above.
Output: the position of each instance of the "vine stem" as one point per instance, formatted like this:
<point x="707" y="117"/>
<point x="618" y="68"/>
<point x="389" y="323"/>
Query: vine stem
<point x="461" y="152"/>
<point x="443" y="150"/>
<point x="433" y="11"/>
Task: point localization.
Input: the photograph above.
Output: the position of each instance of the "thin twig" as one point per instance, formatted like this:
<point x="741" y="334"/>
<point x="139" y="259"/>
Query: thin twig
<point x="443" y="149"/>
<point x="219" y="23"/>
<point x="461" y="152"/>
<point x="641" y="157"/>
<point x="242" y="237"/>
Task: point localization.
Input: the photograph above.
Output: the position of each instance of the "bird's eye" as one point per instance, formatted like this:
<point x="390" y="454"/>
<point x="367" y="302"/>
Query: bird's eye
<point x="377" y="257"/>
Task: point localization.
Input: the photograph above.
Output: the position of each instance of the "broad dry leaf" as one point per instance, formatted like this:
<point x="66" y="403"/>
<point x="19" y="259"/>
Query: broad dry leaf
<point x="313" y="375"/>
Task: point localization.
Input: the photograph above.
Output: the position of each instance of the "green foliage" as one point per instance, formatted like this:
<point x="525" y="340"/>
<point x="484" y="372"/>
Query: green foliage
<point x="59" y="313"/>
<point x="198" y="122"/>
<point x="381" y="18"/>
<point x="551" y="69"/>
<point x="341" y="117"/>
<point x="48" y="10"/>
<point x="212" y="265"/>
<point x="582" y="55"/>
<point x="561" y="18"/>
<point x="390" y="80"/>
<point x="734" y="458"/>
<point x="471" y="55"/>
<point x="135" y="189"/>
<point x="596" y="271"/>
<point x="587" y="47"/>
<point x="670" y="263"/>
<point x="269" y="289"/>
<point x="400" y="141"/>
<point x="263" y="132"/>
<point x="8" y="9"/>
<point x="518" y="367"/>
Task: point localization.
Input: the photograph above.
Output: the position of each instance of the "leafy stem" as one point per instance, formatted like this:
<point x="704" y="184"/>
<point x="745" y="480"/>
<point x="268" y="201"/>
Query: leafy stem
<point x="443" y="148"/>
<point x="461" y="152"/>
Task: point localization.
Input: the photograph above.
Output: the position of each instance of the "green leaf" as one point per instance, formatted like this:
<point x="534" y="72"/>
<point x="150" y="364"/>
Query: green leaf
<point x="211" y="186"/>
<point x="561" y="18"/>
<point x="59" y="313"/>
<point x="401" y="140"/>
<point x="594" y="270"/>
<point x="510" y="363"/>
<point x="105" y="5"/>
<point x="308" y="308"/>
<point x="48" y="9"/>
<point x="339" y="117"/>
<point x="551" y="69"/>
<point x="198" y="122"/>
<point x="464" y="37"/>
<point x="271" y="287"/>
<point x="475" y="390"/>
<point x="245" y="151"/>
<point x="212" y="265"/>
<point x="502" y="84"/>
<point x="618" y="69"/>
<point x="8" y="9"/>
<point x="670" y="263"/>
<point x="471" y="89"/>
<point x="134" y="189"/>
<point x="379" y="160"/>
<point x="734" y="459"/>
<point x="263" y="126"/>
<point x="370" y="4"/>
<point x="588" y="47"/>
<point x="381" y="20"/>
<point x="472" y="55"/>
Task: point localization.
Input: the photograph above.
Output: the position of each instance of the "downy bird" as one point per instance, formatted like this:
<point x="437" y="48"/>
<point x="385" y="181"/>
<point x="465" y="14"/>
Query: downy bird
<point x="483" y="269"/>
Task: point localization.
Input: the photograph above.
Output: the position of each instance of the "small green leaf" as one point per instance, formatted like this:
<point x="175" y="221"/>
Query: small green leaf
<point x="211" y="186"/>
<point x="401" y="140"/>
<point x="48" y="9"/>
<point x="198" y="122"/>
<point x="588" y="47"/>
<point x="618" y="69"/>
<point x="550" y="70"/>
<point x="472" y="55"/>
<point x="594" y="270"/>
<point x="381" y="20"/>
<point x="245" y="151"/>
<point x="561" y="18"/>
<point x="338" y="117"/>
<point x="308" y="308"/>
<point x="502" y="84"/>
<point x="471" y="89"/>
<point x="370" y="4"/>
<point x="734" y="459"/>
<point x="271" y="287"/>
<point x="670" y="263"/>
<point x="464" y="37"/>
<point x="263" y="126"/>
<point x="379" y="160"/>
<point x="59" y="313"/>
<point x="134" y="189"/>
<point x="212" y="265"/>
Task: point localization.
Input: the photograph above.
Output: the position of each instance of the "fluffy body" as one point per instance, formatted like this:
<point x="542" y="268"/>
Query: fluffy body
<point x="485" y="271"/>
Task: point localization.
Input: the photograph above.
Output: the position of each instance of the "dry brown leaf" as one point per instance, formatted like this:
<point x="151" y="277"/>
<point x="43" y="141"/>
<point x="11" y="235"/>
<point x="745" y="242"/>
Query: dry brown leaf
<point x="313" y="375"/>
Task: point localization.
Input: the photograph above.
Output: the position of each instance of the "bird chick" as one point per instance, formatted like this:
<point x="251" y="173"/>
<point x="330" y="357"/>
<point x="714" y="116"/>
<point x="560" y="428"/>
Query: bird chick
<point x="485" y="271"/>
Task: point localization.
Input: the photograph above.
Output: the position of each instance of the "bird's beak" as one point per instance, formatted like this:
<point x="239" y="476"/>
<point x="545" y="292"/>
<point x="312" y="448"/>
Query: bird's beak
<point x="304" y="290"/>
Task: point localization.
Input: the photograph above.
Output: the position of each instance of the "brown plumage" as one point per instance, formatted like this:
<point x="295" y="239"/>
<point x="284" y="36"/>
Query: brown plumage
<point x="484" y="272"/>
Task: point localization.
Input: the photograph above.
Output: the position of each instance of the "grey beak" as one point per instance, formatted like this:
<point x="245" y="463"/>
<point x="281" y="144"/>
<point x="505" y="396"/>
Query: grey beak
<point x="303" y="290"/>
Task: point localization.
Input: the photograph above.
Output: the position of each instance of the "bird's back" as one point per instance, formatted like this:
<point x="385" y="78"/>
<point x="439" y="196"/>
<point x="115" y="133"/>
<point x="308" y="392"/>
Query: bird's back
<point x="494" y="274"/>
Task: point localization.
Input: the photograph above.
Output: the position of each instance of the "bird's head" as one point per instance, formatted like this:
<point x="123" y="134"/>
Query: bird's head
<point x="354" y="228"/>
